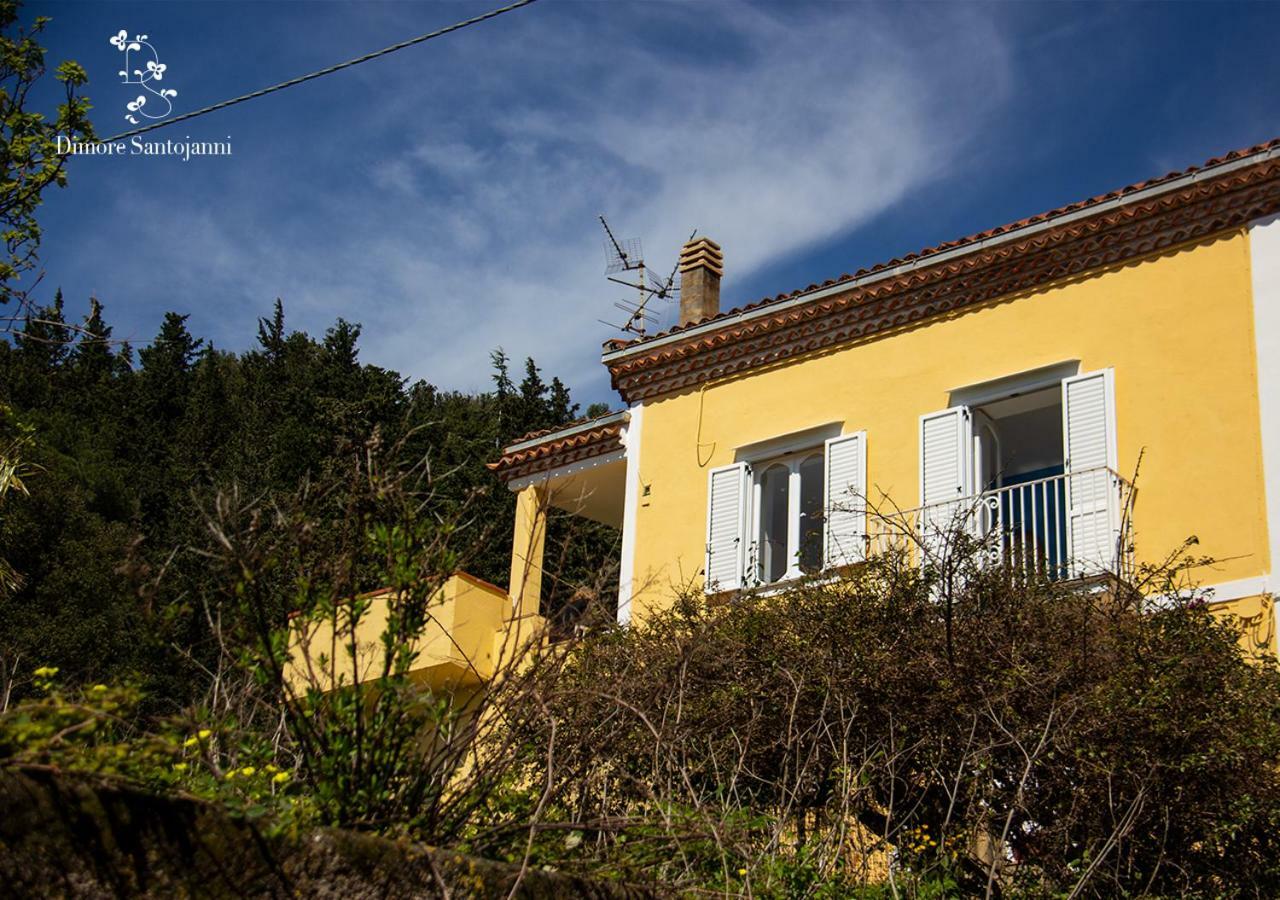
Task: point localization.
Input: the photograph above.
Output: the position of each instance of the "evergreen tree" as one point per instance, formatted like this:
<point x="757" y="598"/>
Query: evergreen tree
<point x="506" y="417"/>
<point x="561" y="407"/>
<point x="173" y="351"/>
<point x="45" y="338"/>
<point x="271" y="334"/>
<point x="92" y="355"/>
<point x="533" y="390"/>
<point x="39" y="355"/>
<point x="130" y="457"/>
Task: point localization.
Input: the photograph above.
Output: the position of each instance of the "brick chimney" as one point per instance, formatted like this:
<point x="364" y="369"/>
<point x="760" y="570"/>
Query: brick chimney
<point x="701" y="268"/>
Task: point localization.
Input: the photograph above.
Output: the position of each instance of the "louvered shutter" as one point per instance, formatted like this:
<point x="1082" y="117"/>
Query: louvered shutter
<point x="944" y="455"/>
<point x="1089" y="457"/>
<point x="945" y="443"/>
<point x="845" y="485"/>
<point x="726" y="520"/>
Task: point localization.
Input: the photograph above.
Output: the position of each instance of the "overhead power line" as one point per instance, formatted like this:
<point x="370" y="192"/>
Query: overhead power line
<point x="457" y="26"/>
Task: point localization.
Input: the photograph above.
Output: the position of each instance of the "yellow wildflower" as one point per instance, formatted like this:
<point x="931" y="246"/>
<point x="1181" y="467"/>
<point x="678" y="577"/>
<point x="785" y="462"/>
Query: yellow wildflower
<point x="191" y="741"/>
<point x="247" y="771"/>
<point x="742" y="872"/>
<point x="46" y="671"/>
<point x="204" y="734"/>
<point x="281" y="777"/>
<point x="98" y="688"/>
<point x="180" y="767"/>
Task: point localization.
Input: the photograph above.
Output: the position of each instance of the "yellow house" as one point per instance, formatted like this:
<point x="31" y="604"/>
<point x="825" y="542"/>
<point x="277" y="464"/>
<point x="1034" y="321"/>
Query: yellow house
<point x="1011" y="380"/>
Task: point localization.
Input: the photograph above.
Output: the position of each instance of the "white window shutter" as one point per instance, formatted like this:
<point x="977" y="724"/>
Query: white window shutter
<point x="944" y="455"/>
<point x="946" y="444"/>
<point x="845" y="483"/>
<point x="1089" y="457"/>
<point x="726" y="527"/>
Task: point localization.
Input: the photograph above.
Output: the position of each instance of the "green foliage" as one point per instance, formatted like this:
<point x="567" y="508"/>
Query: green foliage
<point x="860" y="737"/>
<point x="100" y="729"/>
<point x="15" y="438"/>
<point x="28" y="140"/>
<point x="128" y="458"/>
<point x="356" y="718"/>
<point x="1029" y="738"/>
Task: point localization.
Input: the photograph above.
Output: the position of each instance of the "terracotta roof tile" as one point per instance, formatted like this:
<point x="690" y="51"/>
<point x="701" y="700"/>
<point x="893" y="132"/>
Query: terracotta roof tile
<point x="582" y="443"/>
<point x="619" y="344"/>
<point x="581" y="420"/>
<point x="1196" y="207"/>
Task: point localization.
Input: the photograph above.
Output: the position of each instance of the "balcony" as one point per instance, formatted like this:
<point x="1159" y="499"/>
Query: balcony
<point x="1069" y="526"/>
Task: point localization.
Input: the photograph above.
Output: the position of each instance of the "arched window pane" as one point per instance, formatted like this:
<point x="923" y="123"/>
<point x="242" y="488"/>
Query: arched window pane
<point x="811" y="514"/>
<point x="774" y="487"/>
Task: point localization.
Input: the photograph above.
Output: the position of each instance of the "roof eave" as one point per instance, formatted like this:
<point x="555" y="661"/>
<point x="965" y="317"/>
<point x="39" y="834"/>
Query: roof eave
<point x="1015" y="234"/>
<point x="550" y="437"/>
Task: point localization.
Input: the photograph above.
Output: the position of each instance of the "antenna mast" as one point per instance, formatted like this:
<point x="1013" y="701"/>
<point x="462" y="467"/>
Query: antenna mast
<point x="626" y="256"/>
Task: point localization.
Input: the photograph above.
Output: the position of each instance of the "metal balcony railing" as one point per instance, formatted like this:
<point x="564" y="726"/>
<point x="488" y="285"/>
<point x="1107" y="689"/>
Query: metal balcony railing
<point x="1060" y="527"/>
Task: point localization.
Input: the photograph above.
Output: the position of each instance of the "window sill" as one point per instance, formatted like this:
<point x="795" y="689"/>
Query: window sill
<point x="825" y="577"/>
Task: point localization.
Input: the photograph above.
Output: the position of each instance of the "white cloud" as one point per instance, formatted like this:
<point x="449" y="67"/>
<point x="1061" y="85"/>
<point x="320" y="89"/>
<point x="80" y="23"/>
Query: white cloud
<point x="471" y="221"/>
<point x="818" y="124"/>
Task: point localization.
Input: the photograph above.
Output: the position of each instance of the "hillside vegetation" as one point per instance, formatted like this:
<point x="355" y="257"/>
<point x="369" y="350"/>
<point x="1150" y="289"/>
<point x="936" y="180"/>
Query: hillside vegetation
<point x="124" y="450"/>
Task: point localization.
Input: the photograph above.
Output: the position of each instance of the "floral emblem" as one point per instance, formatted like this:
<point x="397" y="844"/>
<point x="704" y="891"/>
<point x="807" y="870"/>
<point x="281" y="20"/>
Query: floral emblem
<point x="142" y="74"/>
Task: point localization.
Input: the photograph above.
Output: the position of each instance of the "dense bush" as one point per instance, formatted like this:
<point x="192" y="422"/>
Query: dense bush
<point x="867" y="736"/>
<point x="1019" y="738"/>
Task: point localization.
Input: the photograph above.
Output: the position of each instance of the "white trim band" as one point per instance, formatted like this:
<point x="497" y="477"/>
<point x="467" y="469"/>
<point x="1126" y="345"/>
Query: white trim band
<point x="1264" y="267"/>
<point x="631" y="500"/>
<point x="517" y="484"/>
<point x="768" y="308"/>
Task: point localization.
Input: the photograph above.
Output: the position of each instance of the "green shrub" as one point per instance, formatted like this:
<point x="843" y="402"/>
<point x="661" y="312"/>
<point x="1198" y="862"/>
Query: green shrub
<point x="1017" y="736"/>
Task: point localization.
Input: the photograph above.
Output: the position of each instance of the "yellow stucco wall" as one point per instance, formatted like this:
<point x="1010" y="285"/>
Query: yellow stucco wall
<point x="528" y="543"/>
<point x="1177" y="328"/>
<point x="472" y="631"/>
<point x="1256" y="621"/>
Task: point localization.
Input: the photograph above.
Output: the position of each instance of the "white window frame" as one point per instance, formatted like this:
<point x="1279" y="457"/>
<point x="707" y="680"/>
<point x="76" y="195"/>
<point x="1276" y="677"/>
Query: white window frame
<point x="793" y="462"/>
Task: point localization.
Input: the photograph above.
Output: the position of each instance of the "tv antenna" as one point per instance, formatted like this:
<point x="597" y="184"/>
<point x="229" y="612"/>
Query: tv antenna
<point x="626" y="256"/>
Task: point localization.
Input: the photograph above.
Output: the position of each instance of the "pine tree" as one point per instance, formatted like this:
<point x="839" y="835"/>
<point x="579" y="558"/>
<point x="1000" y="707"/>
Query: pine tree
<point x="45" y="338"/>
<point x="561" y="407"/>
<point x="36" y="366"/>
<point x="173" y="351"/>
<point x="271" y="334"/>
<point x="92" y="359"/>
<point x="503" y="397"/>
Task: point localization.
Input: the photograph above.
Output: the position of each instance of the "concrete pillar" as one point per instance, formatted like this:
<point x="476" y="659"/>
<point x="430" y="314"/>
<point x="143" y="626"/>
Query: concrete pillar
<point x="527" y="545"/>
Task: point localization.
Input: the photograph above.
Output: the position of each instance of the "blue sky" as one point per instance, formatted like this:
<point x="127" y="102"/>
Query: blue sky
<point x="445" y="197"/>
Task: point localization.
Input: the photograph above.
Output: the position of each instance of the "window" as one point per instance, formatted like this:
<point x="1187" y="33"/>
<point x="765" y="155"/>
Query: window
<point x="796" y="511"/>
<point x="788" y="500"/>
<point x="1043" y="456"/>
